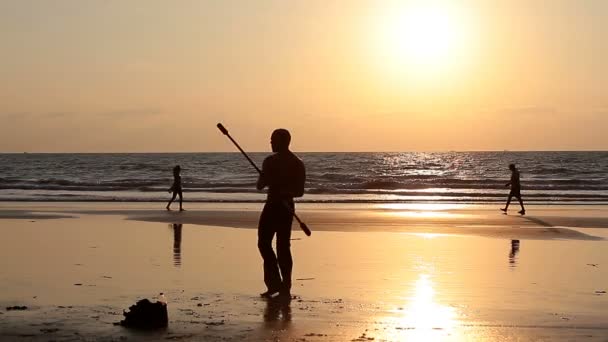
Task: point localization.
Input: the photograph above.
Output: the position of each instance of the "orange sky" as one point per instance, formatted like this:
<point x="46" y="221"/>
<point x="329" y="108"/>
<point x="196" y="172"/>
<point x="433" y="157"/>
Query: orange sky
<point x="156" y="76"/>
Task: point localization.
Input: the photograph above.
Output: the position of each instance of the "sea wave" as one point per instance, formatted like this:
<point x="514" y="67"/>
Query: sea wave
<point x="316" y="186"/>
<point x="551" y="176"/>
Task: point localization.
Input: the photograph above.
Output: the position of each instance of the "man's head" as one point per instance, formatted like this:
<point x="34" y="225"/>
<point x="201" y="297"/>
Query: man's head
<point x="280" y="139"/>
<point x="512" y="167"/>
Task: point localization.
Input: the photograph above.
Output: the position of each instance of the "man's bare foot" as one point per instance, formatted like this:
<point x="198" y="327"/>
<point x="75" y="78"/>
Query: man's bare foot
<point x="169" y="209"/>
<point x="180" y="209"/>
<point x="504" y="210"/>
<point x="522" y="212"/>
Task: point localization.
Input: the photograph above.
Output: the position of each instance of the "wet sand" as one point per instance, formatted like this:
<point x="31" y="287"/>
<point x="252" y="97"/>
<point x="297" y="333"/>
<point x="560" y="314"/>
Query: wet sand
<point x="542" y="222"/>
<point x="380" y="274"/>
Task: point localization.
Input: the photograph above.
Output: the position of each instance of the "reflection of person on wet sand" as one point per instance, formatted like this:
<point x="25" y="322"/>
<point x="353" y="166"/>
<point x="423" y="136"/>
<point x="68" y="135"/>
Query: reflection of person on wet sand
<point x="284" y="174"/>
<point x="177" y="244"/>
<point x="278" y="309"/>
<point x="513" y="252"/>
<point x="277" y="320"/>
<point x="176" y="188"/>
<point x="515" y="190"/>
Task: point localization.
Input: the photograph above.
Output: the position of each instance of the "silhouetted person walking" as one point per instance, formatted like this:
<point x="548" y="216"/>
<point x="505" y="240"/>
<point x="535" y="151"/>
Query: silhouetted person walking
<point x="176" y="188"/>
<point x="284" y="174"/>
<point x="515" y="190"/>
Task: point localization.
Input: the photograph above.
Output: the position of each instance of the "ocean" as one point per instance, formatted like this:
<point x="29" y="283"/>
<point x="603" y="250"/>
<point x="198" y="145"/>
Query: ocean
<point x="442" y="177"/>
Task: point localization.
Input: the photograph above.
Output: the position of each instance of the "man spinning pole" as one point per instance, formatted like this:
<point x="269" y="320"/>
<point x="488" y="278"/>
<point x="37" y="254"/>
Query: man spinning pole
<point x="284" y="175"/>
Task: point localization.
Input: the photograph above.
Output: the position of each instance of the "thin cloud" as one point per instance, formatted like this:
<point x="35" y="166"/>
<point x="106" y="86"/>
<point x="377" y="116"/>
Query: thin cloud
<point x="529" y="111"/>
<point x="127" y="113"/>
<point x="121" y="113"/>
<point x="27" y="115"/>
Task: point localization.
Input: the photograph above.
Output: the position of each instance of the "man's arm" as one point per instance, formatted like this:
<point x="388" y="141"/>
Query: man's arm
<point x="300" y="182"/>
<point x="513" y="179"/>
<point x="262" y="183"/>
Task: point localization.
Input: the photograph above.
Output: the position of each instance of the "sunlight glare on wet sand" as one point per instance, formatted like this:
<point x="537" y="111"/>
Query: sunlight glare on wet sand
<point x="422" y="318"/>
<point x="422" y="206"/>
<point x="422" y="210"/>
<point x="426" y="235"/>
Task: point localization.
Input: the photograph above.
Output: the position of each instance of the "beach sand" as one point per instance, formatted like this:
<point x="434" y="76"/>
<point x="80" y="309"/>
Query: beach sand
<point x="368" y="273"/>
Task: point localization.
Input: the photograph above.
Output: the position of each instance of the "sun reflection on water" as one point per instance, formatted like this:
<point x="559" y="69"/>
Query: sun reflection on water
<point x="422" y="318"/>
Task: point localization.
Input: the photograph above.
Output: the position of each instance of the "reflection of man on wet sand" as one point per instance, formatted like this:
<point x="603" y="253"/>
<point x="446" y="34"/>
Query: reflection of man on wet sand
<point x="284" y="175"/>
<point x="177" y="244"/>
<point x="277" y="311"/>
<point x="513" y="252"/>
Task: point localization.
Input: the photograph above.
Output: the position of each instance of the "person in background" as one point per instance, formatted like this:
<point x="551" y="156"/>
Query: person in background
<point x="176" y="188"/>
<point x="515" y="190"/>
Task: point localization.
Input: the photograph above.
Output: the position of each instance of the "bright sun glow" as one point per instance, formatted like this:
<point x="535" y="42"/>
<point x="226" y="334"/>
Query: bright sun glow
<point x="421" y="37"/>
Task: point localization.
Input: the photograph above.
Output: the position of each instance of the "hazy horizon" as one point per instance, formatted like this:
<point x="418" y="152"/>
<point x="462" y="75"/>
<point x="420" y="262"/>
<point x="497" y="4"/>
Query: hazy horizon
<point x="156" y="76"/>
<point x="268" y="151"/>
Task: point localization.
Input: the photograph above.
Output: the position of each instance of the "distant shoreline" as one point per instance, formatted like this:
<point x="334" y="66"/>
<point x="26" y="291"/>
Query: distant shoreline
<point x="311" y="152"/>
<point x="532" y="202"/>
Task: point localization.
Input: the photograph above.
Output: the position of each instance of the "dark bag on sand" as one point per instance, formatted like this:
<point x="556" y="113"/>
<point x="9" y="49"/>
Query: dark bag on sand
<point x="146" y="315"/>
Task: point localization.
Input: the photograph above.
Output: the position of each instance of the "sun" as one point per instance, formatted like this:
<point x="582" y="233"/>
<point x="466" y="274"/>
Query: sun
<point x="421" y="37"/>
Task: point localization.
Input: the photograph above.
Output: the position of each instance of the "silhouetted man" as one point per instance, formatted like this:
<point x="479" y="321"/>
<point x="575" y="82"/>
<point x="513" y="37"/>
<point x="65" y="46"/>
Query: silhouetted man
<point x="515" y="190"/>
<point x="284" y="174"/>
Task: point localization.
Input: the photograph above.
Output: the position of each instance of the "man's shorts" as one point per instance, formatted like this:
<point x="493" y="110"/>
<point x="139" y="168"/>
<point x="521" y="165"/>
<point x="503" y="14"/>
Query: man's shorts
<point x="516" y="192"/>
